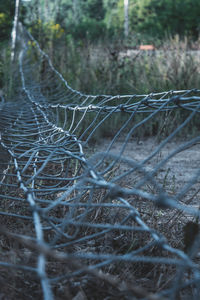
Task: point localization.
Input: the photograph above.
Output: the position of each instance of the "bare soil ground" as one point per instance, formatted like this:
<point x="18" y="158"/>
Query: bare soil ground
<point x="174" y="174"/>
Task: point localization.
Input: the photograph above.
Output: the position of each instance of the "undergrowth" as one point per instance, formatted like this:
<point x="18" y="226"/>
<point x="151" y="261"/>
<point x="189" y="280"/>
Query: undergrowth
<point x="106" y="68"/>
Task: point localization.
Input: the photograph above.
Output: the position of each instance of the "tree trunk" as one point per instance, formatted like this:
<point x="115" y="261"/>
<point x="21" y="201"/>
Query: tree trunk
<point x="76" y="11"/>
<point x="126" y="20"/>
<point x="14" y="30"/>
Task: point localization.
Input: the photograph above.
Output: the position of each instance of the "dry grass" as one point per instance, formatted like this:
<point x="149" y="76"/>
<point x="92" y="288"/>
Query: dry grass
<point x="106" y="68"/>
<point x="116" y="280"/>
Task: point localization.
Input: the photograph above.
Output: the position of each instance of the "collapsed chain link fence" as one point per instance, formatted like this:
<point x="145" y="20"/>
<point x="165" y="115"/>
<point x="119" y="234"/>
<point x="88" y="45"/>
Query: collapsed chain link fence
<point x="79" y="214"/>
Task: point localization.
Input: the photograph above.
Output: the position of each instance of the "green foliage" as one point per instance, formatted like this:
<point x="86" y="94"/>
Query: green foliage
<point x="5" y="25"/>
<point x="6" y="18"/>
<point x="155" y="18"/>
<point x="112" y="16"/>
<point x="89" y="28"/>
<point x="158" y="17"/>
<point x="95" y="10"/>
<point x="47" y="32"/>
<point x="94" y="19"/>
<point x="149" y="18"/>
<point x="5" y="69"/>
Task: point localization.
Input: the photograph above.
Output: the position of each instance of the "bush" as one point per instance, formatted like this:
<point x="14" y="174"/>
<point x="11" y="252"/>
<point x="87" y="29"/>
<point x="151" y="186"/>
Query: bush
<point x="103" y="67"/>
<point x="88" y="28"/>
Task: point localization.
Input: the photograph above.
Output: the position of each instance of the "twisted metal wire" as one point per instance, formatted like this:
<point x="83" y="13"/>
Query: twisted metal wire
<point x="70" y="201"/>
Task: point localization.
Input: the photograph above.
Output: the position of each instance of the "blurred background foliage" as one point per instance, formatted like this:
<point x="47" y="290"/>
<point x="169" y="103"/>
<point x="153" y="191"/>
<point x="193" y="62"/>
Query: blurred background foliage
<point x="99" y="18"/>
<point x="92" y="19"/>
<point x="86" y="41"/>
<point x="6" y="18"/>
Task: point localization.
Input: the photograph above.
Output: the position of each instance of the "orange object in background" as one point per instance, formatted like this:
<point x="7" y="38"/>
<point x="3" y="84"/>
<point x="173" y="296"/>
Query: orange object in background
<point x="146" y="47"/>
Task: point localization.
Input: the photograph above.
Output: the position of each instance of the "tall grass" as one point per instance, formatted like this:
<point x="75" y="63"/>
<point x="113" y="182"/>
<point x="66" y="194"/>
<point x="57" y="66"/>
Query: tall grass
<point x="106" y="68"/>
<point x="4" y="68"/>
<point x="109" y="68"/>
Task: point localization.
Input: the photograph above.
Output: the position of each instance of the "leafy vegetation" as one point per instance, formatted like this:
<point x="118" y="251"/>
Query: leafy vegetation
<point x="6" y="16"/>
<point x="85" y="40"/>
<point x="166" y="16"/>
<point x="82" y="18"/>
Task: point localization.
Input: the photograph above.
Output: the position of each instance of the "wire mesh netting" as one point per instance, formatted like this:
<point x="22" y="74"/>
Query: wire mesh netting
<point x="91" y="206"/>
